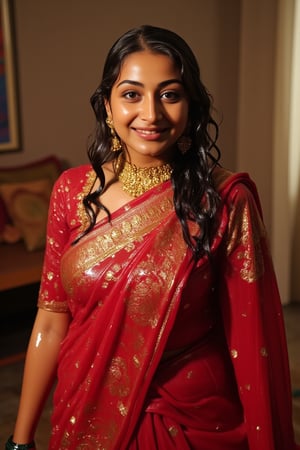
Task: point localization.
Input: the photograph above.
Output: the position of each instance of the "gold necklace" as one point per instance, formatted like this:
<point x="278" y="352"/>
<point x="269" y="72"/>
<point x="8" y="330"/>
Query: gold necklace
<point x="137" y="180"/>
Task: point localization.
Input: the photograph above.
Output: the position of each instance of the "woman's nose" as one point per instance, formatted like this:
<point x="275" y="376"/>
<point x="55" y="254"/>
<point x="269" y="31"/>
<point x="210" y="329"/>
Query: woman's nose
<point x="151" y="108"/>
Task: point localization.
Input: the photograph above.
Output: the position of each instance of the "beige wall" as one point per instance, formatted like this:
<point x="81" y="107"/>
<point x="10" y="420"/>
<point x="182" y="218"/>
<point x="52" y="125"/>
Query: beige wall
<point x="61" y="48"/>
<point x="294" y="151"/>
<point x="256" y="96"/>
<point x="281" y="219"/>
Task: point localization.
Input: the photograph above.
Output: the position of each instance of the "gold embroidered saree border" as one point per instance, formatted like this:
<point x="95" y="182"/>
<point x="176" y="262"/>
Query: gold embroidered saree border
<point x="53" y="306"/>
<point x="107" y="239"/>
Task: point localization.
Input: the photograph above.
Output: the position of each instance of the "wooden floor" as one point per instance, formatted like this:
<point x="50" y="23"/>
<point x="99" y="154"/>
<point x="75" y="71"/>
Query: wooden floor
<point x="11" y="374"/>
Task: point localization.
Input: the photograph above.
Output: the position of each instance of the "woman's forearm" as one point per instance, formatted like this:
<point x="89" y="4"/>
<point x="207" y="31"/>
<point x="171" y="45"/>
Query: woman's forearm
<point x="39" y="372"/>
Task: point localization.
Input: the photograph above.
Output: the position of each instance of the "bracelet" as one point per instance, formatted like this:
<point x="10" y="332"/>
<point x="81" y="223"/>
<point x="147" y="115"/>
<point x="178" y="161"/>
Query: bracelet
<point x="11" y="445"/>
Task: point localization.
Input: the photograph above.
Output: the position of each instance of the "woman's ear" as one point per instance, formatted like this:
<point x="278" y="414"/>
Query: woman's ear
<point x="107" y="107"/>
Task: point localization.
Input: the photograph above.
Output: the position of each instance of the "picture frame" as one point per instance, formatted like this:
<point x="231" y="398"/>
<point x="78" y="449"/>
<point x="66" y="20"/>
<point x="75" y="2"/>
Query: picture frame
<point x="9" y="114"/>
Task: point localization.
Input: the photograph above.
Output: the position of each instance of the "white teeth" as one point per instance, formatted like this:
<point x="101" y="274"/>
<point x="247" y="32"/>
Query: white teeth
<point x="147" y="131"/>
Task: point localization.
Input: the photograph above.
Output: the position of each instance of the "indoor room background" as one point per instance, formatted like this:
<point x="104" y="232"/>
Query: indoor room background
<point x="248" y="61"/>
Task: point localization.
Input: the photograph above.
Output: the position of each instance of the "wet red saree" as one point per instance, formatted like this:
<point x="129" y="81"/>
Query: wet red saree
<point x="146" y="363"/>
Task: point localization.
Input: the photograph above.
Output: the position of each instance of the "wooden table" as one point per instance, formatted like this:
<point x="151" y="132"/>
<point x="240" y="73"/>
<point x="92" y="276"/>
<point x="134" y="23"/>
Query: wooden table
<point x="18" y="266"/>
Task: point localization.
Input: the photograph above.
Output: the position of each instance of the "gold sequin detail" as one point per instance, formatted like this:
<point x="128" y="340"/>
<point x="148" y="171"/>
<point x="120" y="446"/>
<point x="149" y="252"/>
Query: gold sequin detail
<point x="111" y="275"/>
<point x="136" y="361"/>
<point x="263" y="351"/>
<point x="122" y="408"/>
<point x="73" y="420"/>
<point x="87" y="384"/>
<point x="173" y="431"/>
<point x="234" y="353"/>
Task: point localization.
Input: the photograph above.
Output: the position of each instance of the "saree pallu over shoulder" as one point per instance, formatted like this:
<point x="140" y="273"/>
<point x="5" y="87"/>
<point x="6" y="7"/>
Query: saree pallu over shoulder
<point x="124" y="280"/>
<point x="253" y="320"/>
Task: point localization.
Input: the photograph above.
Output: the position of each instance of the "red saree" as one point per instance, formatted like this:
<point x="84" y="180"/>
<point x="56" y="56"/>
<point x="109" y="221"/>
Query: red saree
<point x="146" y="362"/>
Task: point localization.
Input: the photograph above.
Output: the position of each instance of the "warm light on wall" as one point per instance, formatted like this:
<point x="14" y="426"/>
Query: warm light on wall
<point x="294" y="159"/>
<point x="294" y="156"/>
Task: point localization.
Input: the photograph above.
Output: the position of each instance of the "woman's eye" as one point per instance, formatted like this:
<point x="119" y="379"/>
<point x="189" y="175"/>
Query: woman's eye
<point x="130" y="95"/>
<point x="170" y="96"/>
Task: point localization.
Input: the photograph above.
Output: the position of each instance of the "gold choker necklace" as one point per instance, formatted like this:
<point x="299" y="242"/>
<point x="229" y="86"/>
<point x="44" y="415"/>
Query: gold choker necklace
<point x="138" y="180"/>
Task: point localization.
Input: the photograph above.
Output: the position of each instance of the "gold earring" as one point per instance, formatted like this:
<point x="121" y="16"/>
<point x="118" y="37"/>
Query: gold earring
<point x="184" y="144"/>
<point x="116" y="144"/>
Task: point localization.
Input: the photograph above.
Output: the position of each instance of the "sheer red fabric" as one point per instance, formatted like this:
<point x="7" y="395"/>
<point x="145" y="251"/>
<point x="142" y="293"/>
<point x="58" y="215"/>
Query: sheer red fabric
<point x="162" y="353"/>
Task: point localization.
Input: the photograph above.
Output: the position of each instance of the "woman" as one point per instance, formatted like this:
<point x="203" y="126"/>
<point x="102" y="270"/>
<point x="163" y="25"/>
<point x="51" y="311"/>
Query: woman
<point x="158" y="305"/>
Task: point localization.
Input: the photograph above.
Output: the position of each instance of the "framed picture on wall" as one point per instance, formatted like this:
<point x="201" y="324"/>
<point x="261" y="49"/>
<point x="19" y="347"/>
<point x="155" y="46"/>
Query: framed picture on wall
<point x="9" y="116"/>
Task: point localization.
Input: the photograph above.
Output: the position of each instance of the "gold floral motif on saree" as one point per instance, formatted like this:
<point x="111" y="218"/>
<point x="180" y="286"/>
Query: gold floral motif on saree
<point x="246" y="231"/>
<point x="105" y="241"/>
<point x="117" y="378"/>
<point x="143" y="304"/>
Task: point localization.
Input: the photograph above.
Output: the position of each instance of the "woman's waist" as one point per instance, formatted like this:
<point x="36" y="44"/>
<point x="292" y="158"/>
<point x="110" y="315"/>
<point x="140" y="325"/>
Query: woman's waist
<point x="207" y="355"/>
<point x="199" y="379"/>
<point x="192" y="338"/>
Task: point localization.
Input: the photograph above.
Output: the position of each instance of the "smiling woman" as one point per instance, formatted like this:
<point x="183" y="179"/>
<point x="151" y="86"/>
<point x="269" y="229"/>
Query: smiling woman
<point x="158" y="308"/>
<point x="149" y="108"/>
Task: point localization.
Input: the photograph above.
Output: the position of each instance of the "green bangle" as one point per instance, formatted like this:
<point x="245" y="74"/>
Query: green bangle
<point x="11" y="445"/>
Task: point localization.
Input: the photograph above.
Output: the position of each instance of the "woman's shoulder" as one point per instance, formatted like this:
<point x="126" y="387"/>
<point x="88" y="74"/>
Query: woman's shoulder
<point x="75" y="179"/>
<point x="224" y="180"/>
<point x="77" y="175"/>
<point x="235" y="187"/>
<point x="76" y="172"/>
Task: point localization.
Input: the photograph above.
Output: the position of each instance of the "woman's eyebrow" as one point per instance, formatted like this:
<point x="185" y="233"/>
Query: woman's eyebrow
<point x="162" y="84"/>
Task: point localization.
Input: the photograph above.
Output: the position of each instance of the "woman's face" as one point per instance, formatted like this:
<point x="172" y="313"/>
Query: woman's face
<point x="149" y="107"/>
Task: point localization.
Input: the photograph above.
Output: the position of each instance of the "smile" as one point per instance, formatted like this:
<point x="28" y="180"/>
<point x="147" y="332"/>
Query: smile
<point x="144" y="131"/>
<point x="150" y="134"/>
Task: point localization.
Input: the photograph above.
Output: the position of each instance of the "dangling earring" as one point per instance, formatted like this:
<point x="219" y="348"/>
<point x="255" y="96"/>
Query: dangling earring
<point x="116" y="145"/>
<point x="184" y="144"/>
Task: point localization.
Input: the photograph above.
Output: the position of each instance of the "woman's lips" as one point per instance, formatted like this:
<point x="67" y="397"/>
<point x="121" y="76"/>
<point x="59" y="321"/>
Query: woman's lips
<point x="150" y="134"/>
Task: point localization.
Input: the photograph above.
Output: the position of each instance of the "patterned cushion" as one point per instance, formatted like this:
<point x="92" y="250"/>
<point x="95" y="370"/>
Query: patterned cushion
<point x="24" y="204"/>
